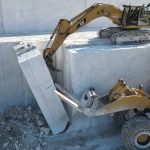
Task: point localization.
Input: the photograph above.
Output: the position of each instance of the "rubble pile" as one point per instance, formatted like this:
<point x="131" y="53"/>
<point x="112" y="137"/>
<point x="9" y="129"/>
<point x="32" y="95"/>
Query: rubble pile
<point x="23" y="129"/>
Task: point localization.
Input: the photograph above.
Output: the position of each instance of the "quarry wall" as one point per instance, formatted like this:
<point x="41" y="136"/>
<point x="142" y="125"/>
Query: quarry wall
<point x="41" y="16"/>
<point x="83" y="66"/>
<point x="14" y="89"/>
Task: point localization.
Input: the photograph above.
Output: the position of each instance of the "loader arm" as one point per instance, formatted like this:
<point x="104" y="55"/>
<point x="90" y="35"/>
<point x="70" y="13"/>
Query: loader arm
<point x="66" y="27"/>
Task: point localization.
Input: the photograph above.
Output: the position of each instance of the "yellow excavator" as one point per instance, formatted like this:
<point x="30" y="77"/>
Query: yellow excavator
<point x="130" y="106"/>
<point x="129" y="20"/>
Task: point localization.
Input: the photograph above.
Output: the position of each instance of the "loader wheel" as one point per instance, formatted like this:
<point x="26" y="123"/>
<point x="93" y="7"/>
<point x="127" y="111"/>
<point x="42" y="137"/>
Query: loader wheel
<point x="136" y="133"/>
<point x="121" y="117"/>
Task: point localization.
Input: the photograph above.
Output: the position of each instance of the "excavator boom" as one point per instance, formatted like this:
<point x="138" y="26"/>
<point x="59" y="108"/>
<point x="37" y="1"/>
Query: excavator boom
<point x="65" y="27"/>
<point x="130" y="18"/>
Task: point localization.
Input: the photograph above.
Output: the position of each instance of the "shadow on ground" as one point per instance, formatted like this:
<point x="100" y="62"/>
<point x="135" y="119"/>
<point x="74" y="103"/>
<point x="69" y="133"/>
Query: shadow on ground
<point x="100" y="138"/>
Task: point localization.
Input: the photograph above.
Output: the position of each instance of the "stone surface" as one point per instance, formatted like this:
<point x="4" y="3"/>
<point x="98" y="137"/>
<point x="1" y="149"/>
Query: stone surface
<point x="41" y="83"/>
<point x="18" y="134"/>
<point x="13" y="86"/>
<point x="11" y="74"/>
<point x="93" y="62"/>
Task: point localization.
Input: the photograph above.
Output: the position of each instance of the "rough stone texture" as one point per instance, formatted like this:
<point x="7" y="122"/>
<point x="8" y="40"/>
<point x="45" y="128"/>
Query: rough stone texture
<point x="19" y="129"/>
<point x="41" y="83"/>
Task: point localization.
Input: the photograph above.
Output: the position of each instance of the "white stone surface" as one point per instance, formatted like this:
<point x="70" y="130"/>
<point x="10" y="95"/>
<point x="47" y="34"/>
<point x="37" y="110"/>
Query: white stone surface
<point x="14" y="89"/>
<point x="93" y="62"/>
<point x="42" y="86"/>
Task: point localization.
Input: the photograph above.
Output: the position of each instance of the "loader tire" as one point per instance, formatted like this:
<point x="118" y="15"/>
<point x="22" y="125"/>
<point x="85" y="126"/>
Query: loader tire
<point x="120" y="118"/>
<point x="136" y="133"/>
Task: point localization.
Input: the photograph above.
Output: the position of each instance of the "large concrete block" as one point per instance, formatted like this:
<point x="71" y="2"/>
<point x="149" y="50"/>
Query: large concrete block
<point x="11" y="74"/>
<point x="42" y="86"/>
<point x="93" y="62"/>
<point x="13" y="88"/>
<point x="102" y="68"/>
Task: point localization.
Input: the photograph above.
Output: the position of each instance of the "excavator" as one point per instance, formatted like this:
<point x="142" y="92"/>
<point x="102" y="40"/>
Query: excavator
<point x="129" y="21"/>
<point x="130" y="107"/>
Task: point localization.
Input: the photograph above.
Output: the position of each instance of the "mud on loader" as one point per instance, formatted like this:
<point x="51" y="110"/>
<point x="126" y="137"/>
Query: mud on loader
<point x="130" y="108"/>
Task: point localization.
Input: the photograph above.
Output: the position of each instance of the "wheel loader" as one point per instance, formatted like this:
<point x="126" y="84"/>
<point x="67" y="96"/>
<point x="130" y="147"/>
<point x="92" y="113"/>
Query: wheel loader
<point x="130" y="107"/>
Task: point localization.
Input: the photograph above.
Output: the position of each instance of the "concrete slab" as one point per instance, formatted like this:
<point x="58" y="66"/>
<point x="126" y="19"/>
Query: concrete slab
<point x="14" y="89"/>
<point x="90" y="61"/>
<point x="42" y="86"/>
<point x="93" y="62"/>
<point x="14" y="72"/>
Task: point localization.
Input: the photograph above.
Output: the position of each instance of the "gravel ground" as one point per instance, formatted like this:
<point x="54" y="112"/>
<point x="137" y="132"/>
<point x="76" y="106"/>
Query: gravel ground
<point x="23" y="129"/>
<point x="26" y="129"/>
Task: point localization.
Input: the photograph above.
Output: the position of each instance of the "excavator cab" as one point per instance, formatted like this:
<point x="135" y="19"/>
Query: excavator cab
<point x="136" y="15"/>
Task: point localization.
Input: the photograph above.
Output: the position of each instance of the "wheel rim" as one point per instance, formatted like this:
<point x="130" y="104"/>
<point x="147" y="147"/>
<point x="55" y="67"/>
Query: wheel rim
<point x="142" y="140"/>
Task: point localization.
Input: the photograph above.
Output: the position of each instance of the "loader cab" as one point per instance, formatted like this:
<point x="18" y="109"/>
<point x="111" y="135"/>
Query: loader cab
<point x="136" y="15"/>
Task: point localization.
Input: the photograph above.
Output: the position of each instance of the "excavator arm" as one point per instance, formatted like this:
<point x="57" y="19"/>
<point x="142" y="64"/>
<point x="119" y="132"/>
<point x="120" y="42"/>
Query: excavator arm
<point x="66" y="27"/>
